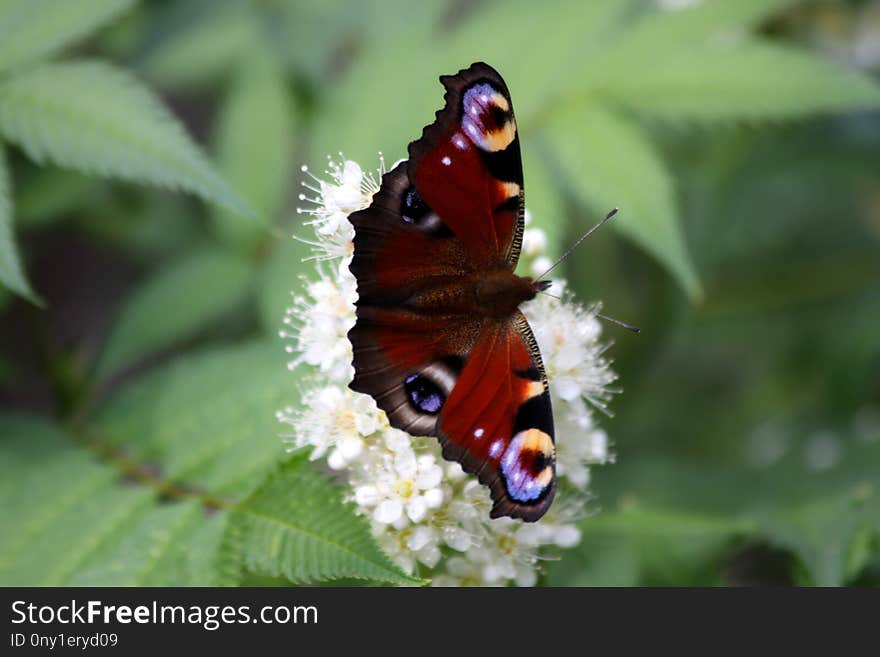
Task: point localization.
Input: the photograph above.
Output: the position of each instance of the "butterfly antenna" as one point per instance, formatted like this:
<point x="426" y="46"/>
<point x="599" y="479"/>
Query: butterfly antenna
<point x="628" y="327"/>
<point x="571" y="249"/>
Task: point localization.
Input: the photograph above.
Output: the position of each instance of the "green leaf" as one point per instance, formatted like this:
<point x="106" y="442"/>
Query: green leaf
<point x="279" y="278"/>
<point x="600" y="560"/>
<point x="538" y="78"/>
<point x="610" y="163"/>
<point x="702" y="23"/>
<point x="359" y="122"/>
<point x="254" y="144"/>
<point x="91" y="116"/>
<point x="296" y="525"/>
<point x="113" y="534"/>
<point x="824" y="533"/>
<point x="140" y="495"/>
<point x="35" y="29"/>
<point x="545" y="203"/>
<point x="753" y="80"/>
<point x="309" y="36"/>
<point x="181" y="299"/>
<point x="641" y="544"/>
<point x="153" y="550"/>
<point x="50" y="195"/>
<point x="11" y="272"/>
<point x="56" y="495"/>
<point x="207" y="418"/>
<point x="196" y="43"/>
<point x="197" y="435"/>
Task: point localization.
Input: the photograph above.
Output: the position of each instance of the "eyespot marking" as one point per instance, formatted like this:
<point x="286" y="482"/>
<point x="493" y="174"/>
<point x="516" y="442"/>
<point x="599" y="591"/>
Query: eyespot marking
<point x="487" y="119"/>
<point x="423" y="394"/>
<point x="527" y="465"/>
<point x="427" y="390"/>
<point x="416" y="213"/>
<point x="413" y="209"/>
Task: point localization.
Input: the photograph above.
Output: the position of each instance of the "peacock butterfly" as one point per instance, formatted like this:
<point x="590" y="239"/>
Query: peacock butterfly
<point x="440" y="342"/>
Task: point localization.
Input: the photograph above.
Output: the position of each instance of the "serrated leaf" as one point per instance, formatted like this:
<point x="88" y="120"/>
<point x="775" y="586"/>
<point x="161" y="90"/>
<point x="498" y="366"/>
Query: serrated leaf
<point x="11" y="272"/>
<point x="178" y="301"/>
<point x="254" y="146"/>
<point x="94" y="117"/>
<point x="752" y="80"/>
<point x="208" y="417"/>
<point x="55" y="494"/>
<point x="306" y="536"/>
<point x="35" y="29"/>
<point x="609" y="162"/>
<point x="152" y="551"/>
<point x="202" y="430"/>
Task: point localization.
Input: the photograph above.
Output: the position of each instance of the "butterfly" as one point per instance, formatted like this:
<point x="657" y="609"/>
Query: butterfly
<point x="440" y="342"/>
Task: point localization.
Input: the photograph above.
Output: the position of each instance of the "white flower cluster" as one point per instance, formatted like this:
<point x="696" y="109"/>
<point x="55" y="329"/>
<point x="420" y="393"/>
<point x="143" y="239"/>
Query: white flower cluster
<point x="430" y="517"/>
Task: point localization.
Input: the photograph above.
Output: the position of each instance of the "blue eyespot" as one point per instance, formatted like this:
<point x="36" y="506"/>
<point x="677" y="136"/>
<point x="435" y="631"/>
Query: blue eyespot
<point x="423" y="394"/>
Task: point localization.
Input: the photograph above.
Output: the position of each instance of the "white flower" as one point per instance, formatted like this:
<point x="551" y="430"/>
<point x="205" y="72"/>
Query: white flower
<point x="585" y="444"/>
<point x="426" y="513"/>
<point x="407" y="487"/>
<point x="334" y="419"/>
<point x="347" y="191"/>
<point x="568" y="335"/>
<point x="323" y="318"/>
<point x="534" y="243"/>
<point x="539" y="266"/>
<point x="822" y="451"/>
<point x="504" y="555"/>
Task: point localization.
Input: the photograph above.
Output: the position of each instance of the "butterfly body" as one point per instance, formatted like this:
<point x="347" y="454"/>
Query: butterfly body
<point x="440" y="342"/>
<point x="494" y="295"/>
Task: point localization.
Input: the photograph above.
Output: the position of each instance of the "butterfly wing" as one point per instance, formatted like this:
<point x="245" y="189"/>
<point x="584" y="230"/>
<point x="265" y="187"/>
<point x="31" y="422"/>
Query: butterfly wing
<point x="453" y="210"/>
<point x="467" y="165"/>
<point x="498" y="421"/>
<point x="489" y="405"/>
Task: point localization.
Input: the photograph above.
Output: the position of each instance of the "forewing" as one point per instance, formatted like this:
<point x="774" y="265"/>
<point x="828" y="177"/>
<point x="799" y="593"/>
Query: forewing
<point x="467" y="165"/>
<point x="401" y="246"/>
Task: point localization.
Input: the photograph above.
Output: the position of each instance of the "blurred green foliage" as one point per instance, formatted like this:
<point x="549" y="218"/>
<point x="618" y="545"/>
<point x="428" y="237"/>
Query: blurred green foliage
<point x="740" y="139"/>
